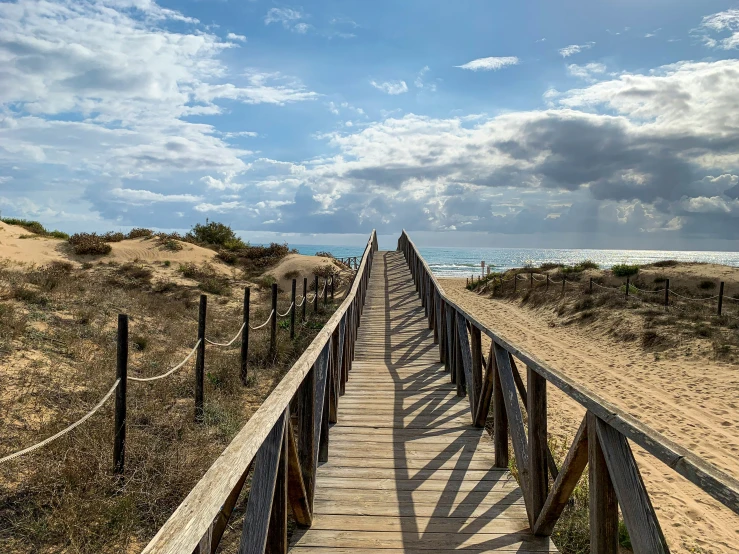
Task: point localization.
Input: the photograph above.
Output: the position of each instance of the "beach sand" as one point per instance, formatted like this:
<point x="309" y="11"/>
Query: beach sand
<point x="693" y="402"/>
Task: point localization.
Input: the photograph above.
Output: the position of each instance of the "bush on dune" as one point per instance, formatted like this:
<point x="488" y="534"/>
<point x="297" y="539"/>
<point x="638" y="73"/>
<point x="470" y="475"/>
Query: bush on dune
<point x="624" y="270"/>
<point x="89" y="244"/>
<point x="35" y="227"/>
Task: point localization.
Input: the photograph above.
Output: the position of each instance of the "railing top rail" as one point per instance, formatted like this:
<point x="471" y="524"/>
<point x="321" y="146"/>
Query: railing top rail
<point x="190" y="522"/>
<point x="716" y="482"/>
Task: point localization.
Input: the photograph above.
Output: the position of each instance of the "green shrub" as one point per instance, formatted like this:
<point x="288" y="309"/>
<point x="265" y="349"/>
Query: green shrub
<point x="216" y="234"/>
<point x="665" y="263"/>
<point x="228" y="257"/>
<point x="324" y="254"/>
<point x="139" y="232"/>
<point x="28" y="225"/>
<point x="113" y="236"/>
<point x="169" y="241"/>
<point x="294" y="274"/>
<point x="215" y="285"/>
<point x="265" y="282"/>
<point x="58" y="235"/>
<point x="707" y="285"/>
<point x="89" y="243"/>
<point x="549" y="265"/>
<point x="625" y="270"/>
<point x="579" y="267"/>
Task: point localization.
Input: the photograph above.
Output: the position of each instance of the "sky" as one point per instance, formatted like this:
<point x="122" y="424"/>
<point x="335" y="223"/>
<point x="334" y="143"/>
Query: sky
<point x="611" y="124"/>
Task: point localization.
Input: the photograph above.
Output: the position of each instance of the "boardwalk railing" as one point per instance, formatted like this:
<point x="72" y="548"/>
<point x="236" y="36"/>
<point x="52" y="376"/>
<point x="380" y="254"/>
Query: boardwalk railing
<point x="601" y="442"/>
<point x="284" y="451"/>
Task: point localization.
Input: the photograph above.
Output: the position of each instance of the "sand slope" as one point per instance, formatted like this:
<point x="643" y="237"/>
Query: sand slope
<point x="694" y="403"/>
<point x="40" y="251"/>
<point x="298" y="266"/>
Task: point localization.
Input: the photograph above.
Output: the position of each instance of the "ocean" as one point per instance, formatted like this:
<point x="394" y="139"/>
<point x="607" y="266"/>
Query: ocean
<point x="463" y="262"/>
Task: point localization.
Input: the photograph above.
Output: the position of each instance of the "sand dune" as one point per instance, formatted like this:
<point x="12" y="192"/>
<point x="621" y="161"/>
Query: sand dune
<point x="298" y="266"/>
<point x="693" y="402"/>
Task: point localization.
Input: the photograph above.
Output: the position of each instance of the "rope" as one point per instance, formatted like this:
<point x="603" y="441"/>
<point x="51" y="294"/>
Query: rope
<point x="660" y="291"/>
<point x="731" y="299"/>
<point x="300" y="303"/>
<point x="287" y="312"/>
<point x="231" y="341"/>
<point x="171" y="371"/>
<point x="692" y="299"/>
<point x="606" y="288"/>
<point x="263" y="324"/>
<point x="63" y="431"/>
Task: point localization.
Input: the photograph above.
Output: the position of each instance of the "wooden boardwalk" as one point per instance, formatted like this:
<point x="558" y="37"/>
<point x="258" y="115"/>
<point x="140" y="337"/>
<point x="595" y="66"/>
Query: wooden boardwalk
<point x="407" y="471"/>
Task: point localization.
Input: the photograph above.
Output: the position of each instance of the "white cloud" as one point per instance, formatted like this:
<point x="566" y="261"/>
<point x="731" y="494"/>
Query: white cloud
<point x="234" y="36"/>
<point x="133" y="196"/>
<point x="219" y="208"/>
<point x="490" y="64"/>
<point x="289" y="18"/>
<point x="586" y="72"/>
<point x="572" y="49"/>
<point x="391" y="87"/>
<point x="419" y="80"/>
<point x="721" y="22"/>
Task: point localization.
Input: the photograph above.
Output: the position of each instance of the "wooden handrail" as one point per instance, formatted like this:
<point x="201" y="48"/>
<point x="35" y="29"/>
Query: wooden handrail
<point x="195" y="526"/>
<point x="609" y="420"/>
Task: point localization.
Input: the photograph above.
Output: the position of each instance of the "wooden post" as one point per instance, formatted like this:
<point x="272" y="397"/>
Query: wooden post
<point x="315" y="299"/>
<point x="591" y="285"/>
<point x="200" y="360"/>
<point x="333" y="279"/>
<point x="515" y="282"/>
<point x="547" y="282"/>
<point x="277" y="530"/>
<point x="628" y="284"/>
<point x="564" y="282"/>
<point x="536" y="402"/>
<point x="500" y="419"/>
<point x="720" y="297"/>
<point x="531" y="280"/>
<point x="667" y="293"/>
<point x="292" y="311"/>
<point x="273" y="323"/>
<point x="305" y="296"/>
<point x="325" y="292"/>
<point x="245" y="336"/>
<point x="119" y="431"/>
<point x="603" y="502"/>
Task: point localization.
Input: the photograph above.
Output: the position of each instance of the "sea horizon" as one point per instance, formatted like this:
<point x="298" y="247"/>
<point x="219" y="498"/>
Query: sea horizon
<point x="465" y="261"/>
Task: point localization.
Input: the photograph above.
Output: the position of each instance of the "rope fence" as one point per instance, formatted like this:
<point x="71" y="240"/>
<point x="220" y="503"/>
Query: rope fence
<point x="122" y="377"/>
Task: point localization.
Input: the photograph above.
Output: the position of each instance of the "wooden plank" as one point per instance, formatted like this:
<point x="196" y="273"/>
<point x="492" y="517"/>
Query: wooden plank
<point x="484" y="550"/>
<point x="537" y="412"/>
<point x="572" y="468"/>
<point x="306" y="429"/>
<point x="500" y="418"/>
<point x="486" y="395"/>
<point x="277" y="529"/>
<point x="641" y="521"/>
<point x="515" y="418"/>
<point x="262" y="491"/>
<point x="395" y="483"/>
<point x="297" y="494"/>
<point x="503" y="494"/>
<point x="476" y="368"/>
<point x="465" y="359"/>
<point x="603" y="502"/>
<point x="430" y="541"/>
<point x="422" y="524"/>
<point x="496" y="512"/>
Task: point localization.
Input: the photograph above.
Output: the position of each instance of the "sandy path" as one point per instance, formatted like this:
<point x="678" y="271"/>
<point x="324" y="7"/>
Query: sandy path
<point x="693" y="403"/>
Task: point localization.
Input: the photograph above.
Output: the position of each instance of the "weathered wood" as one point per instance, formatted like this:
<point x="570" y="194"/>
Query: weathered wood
<point x="321" y="409"/>
<point x="603" y="502"/>
<point x="193" y="518"/>
<point x="572" y="468"/>
<point x="641" y="521"/>
<point x="262" y="492"/>
<point x="465" y="359"/>
<point x="245" y="337"/>
<point x="200" y="360"/>
<point x="273" y="323"/>
<point x="306" y="398"/>
<point x="277" y="529"/>
<point x="500" y="418"/>
<point x="119" y="428"/>
<point x="221" y="522"/>
<point x="297" y="493"/>
<point x="448" y="318"/>
<point x="476" y="368"/>
<point x="537" y="412"/>
<point x="486" y="395"/>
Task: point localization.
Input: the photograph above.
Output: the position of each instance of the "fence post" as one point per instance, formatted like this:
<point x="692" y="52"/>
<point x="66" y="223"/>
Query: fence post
<point x="119" y="443"/>
<point x="564" y="282"/>
<point x="720" y="297"/>
<point x="547" y="282"/>
<point x="515" y="282"/>
<point x="531" y="280"/>
<point x="315" y="299"/>
<point x="325" y="291"/>
<point x="667" y="293"/>
<point x="200" y="360"/>
<point x="591" y="285"/>
<point x="333" y="279"/>
<point x="273" y="323"/>
<point x="245" y="336"/>
<point x="292" y="311"/>
<point x="628" y="284"/>
<point x="305" y="296"/>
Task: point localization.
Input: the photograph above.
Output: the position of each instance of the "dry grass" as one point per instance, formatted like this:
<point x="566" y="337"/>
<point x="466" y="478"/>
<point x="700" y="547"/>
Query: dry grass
<point x="57" y="353"/>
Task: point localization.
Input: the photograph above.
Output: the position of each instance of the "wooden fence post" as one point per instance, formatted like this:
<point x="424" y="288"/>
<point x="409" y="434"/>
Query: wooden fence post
<point x="292" y="312"/>
<point x="325" y="291"/>
<point x="315" y="299"/>
<point x="245" y="336"/>
<point x="500" y="418"/>
<point x="536" y="402"/>
<point x="531" y="280"/>
<point x="720" y="297"/>
<point x="628" y="284"/>
<point x="547" y="282"/>
<point x="515" y="282"/>
<point x="333" y="279"/>
<point x="119" y="443"/>
<point x="200" y="360"/>
<point x="603" y="502"/>
<point x="305" y="296"/>
<point x="564" y="282"/>
<point x="591" y="285"/>
<point x="273" y="323"/>
<point x="667" y="293"/>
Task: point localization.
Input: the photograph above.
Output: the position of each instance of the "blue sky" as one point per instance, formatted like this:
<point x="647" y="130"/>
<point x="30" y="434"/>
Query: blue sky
<point x="567" y="124"/>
